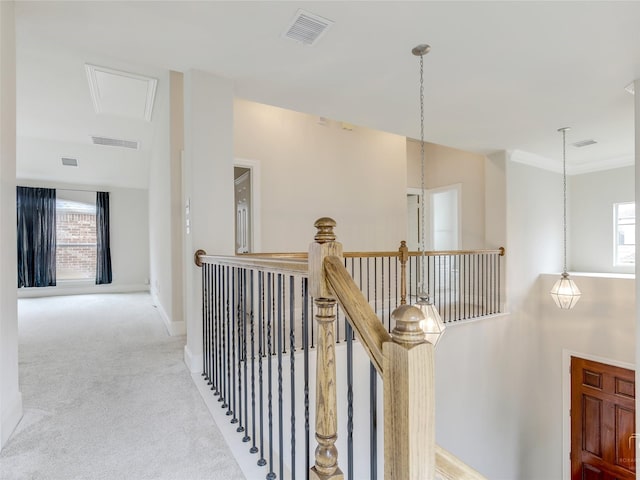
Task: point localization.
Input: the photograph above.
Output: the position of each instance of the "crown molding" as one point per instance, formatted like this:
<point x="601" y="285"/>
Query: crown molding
<point x="544" y="163"/>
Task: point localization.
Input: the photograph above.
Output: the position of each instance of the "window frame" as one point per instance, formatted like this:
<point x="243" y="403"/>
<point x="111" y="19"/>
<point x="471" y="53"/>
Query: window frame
<point x="616" y="231"/>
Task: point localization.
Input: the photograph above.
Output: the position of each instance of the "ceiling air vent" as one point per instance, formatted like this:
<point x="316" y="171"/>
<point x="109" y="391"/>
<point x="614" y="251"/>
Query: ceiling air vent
<point x="69" y="162"/>
<point x="115" y="142"/>
<point x="307" y="27"/>
<point x="584" y="143"/>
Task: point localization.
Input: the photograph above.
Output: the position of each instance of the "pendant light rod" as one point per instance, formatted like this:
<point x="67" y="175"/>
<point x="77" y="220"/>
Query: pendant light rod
<point x="564" y="131"/>
<point x="432" y="325"/>
<point x="420" y="51"/>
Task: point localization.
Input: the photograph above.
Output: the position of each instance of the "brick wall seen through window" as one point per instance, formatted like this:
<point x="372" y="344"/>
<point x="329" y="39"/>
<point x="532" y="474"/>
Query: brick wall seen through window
<point x="76" y="240"/>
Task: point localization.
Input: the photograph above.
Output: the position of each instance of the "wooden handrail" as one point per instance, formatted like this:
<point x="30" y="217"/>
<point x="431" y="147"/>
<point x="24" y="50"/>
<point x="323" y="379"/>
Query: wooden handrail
<point x="362" y="318"/>
<point x="278" y="265"/>
<point x="450" y="467"/>
<point x="434" y="253"/>
<point x="292" y="255"/>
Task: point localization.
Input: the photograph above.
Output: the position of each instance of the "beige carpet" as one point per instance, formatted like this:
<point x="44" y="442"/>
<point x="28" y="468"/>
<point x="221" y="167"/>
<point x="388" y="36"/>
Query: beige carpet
<point x="107" y="396"/>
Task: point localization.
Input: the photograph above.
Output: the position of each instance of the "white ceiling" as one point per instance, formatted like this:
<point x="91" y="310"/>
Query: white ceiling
<point x="500" y="76"/>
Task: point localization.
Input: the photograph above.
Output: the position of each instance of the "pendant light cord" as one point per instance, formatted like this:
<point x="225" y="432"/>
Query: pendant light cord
<point x="564" y="194"/>
<point x="423" y="246"/>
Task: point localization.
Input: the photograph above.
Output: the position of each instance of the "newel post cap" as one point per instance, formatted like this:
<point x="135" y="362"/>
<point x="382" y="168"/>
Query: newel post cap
<point x="407" y="330"/>
<point x="325" y="226"/>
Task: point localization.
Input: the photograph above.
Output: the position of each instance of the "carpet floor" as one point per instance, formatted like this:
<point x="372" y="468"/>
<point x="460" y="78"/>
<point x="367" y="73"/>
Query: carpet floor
<point x="106" y="395"/>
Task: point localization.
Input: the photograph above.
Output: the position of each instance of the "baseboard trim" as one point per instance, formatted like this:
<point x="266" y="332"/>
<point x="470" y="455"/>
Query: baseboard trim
<point x="174" y="329"/>
<point x="193" y="362"/>
<point x="80" y="289"/>
<point x="11" y="416"/>
<point x="246" y="460"/>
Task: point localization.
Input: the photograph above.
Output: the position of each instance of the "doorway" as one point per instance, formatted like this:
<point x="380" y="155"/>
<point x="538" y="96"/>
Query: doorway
<point x="243" y="207"/>
<point x="603" y="434"/>
<point x="442" y="215"/>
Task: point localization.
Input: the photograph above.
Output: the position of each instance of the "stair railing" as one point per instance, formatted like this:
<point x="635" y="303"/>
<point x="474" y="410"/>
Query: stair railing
<point x="243" y="295"/>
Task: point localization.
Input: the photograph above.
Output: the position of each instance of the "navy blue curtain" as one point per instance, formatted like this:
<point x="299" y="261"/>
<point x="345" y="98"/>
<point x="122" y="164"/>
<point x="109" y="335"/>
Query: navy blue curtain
<point x="36" y="211"/>
<point x="103" y="261"/>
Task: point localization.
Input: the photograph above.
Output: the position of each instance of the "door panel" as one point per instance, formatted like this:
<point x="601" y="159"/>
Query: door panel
<point x="602" y="421"/>
<point x="591" y="425"/>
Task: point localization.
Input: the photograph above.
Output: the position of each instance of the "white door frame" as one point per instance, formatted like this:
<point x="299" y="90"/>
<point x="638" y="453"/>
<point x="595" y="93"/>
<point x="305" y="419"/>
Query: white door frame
<point x="429" y="191"/>
<point x="256" y="198"/>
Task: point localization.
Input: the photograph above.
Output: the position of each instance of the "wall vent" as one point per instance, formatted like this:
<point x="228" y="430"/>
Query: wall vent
<point x="69" y="162"/>
<point x="115" y="142"/>
<point x="307" y="27"/>
<point x="584" y="143"/>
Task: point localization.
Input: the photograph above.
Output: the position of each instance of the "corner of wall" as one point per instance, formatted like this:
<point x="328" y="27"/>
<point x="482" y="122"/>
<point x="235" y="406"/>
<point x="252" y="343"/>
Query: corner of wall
<point x="10" y="396"/>
<point x="174" y="328"/>
<point x="192" y="361"/>
<point x="11" y="416"/>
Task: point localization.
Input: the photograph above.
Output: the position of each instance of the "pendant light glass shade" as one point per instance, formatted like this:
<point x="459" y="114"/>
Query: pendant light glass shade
<point x="432" y="325"/>
<point x="565" y="292"/>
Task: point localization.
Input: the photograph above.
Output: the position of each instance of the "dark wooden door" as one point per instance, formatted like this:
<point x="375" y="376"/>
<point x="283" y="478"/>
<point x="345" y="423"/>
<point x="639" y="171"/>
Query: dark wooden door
<point x="602" y="421"/>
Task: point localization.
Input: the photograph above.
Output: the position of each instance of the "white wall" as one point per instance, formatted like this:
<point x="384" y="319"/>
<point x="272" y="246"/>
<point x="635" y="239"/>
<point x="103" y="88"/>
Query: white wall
<point x="129" y="215"/>
<point x="636" y="101"/>
<point x="10" y="397"/>
<point x="176" y="136"/>
<point x="590" y="213"/>
<point x="500" y="380"/>
<point x="160" y="217"/>
<point x="40" y="158"/>
<point x="602" y="324"/>
<point x="448" y="166"/>
<point x="45" y="134"/>
<point x="208" y="186"/>
<point x="482" y="367"/>
<point x="309" y="170"/>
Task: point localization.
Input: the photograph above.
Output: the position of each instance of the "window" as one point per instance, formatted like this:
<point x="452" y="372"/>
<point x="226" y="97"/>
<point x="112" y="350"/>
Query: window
<point x="75" y="235"/>
<point x="624" y="217"/>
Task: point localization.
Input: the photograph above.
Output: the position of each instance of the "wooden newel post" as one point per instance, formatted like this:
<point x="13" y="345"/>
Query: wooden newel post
<point x="409" y="400"/>
<point x="326" y="455"/>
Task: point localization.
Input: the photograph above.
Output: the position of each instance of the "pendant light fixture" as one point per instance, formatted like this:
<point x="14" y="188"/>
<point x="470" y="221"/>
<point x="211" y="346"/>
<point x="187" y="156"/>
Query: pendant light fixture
<point x="432" y="325"/>
<point x="565" y="292"/>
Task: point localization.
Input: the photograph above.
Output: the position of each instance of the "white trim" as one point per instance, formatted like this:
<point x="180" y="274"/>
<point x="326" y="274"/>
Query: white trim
<point x="566" y="399"/>
<point x="599" y="165"/>
<point x="96" y="97"/>
<point x="256" y="200"/>
<point x="429" y="192"/>
<point x="80" y="288"/>
<point x="533" y="160"/>
<point x="246" y="460"/>
<point x="544" y="163"/>
<point x="192" y="361"/>
<point x="457" y="187"/>
<point x="174" y="329"/>
<point x="11" y="416"/>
